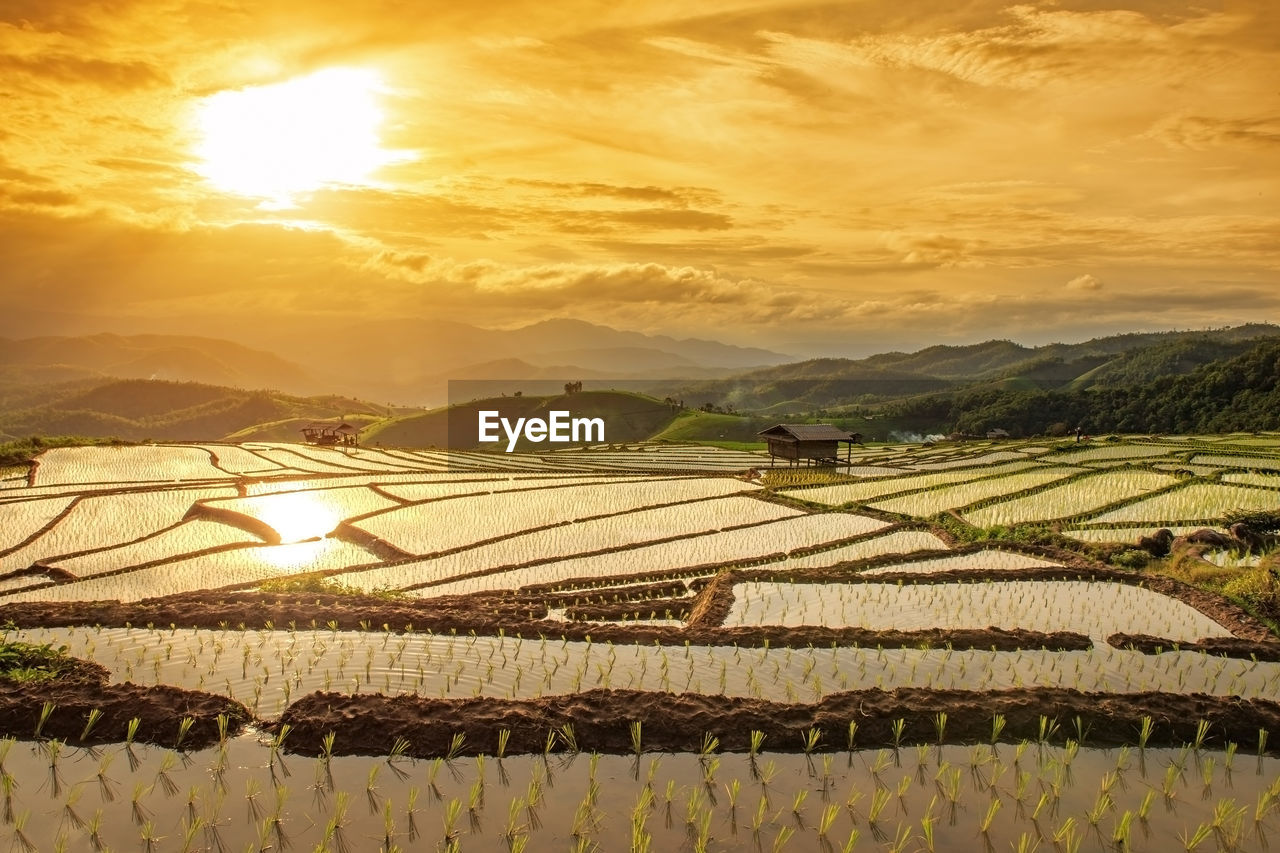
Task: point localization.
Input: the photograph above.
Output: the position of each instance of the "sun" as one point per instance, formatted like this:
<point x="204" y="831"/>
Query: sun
<point x="276" y="141"/>
<point x="298" y="516"/>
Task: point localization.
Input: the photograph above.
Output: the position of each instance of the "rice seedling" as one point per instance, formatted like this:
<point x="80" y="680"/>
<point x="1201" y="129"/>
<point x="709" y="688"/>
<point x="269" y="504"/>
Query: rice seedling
<point x="879" y="799"/>
<point x="810" y="739"/>
<point x="998" y="723"/>
<point x="1190" y="841"/>
<point x="1202" y="731"/>
<point x="1145" y="730"/>
<point x="94" y="827"/>
<point x="1048" y="729"/>
<point x="95" y="715"/>
<point x="993" y="808"/>
<point x="504" y="737"/>
<point x="46" y="711"/>
<point x="19" y="832"/>
<point x="184" y="728"/>
<point x="456" y="744"/>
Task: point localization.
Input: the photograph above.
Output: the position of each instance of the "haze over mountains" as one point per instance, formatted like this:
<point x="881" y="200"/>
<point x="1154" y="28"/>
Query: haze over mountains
<point x="406" y="361"/>
<point x="183" y="387"/>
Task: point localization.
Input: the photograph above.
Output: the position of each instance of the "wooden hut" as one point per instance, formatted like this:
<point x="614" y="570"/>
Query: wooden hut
<point x="330" y="433"/>
<point x="816" y="444"/>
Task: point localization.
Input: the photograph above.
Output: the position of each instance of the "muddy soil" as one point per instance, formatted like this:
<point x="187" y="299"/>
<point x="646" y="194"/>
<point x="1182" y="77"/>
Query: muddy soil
<point x="74" y="694"/>
<point x="601" y="720"/>
<point x="612" y="594"/>
<point x="652" y="608"/>
<point x="1230" y="647"/>
<point x="487" y="615"/>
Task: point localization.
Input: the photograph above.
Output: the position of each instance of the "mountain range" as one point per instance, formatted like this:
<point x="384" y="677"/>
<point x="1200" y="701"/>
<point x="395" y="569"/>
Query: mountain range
<point x="183" y="387"/>
<point x="410" y="361"/>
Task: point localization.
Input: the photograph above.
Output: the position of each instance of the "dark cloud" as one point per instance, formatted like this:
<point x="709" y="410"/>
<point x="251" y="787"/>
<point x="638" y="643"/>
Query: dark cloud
<point x="129" y="164"/>
<point x="9" y="173"/>
<point x="66" y="68"/>
<point x="483" y="213"/>
<point x="42" y="198"/>
<point x="664" y="219"/>
<point x="67" y="16"/>
<point x="672" y="196"/>
<point x="718" y="251"/>
<point x="1198" y="132"/>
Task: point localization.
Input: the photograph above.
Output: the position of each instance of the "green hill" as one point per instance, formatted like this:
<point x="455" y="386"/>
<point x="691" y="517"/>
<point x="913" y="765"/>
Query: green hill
<point x="290" y="429"/>
<point x="1170" y="381"/>
<point x="1225" y="395"/>
<point x="1126" y="360"/>
<point x="1168" y="358"/>
<point x="136" y="409"/>
<point x="715" y="428"/>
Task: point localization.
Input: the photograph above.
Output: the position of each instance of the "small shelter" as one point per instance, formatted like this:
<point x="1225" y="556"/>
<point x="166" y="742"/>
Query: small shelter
<point x="330" y="433"/>
<point x="818" y="444"/>
<point x="997" y="433"/>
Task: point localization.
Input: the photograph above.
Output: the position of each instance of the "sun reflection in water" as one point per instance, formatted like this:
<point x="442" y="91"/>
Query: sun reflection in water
<point x="297" y="516"/>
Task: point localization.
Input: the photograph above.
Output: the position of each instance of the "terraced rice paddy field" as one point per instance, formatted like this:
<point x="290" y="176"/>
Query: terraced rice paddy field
<point x="633" y="648"/>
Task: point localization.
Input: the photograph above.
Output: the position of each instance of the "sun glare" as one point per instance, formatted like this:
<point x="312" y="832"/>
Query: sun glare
<point x="300" y="515"/>
<point x="276" y="141"/>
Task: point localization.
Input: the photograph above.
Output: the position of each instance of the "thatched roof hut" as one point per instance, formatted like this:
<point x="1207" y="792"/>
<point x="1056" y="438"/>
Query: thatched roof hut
<point x="814" y="443"/>
<point x="330" y="433"/>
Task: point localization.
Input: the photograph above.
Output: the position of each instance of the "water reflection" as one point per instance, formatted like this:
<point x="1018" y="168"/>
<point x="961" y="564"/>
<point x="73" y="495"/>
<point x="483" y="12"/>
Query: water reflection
<point x="299" y="515"/>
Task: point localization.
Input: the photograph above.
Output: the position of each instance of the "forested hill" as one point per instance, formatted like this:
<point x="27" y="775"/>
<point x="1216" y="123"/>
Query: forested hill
<point x="1110" y="362"/>
<point x="1233" y="394"/>
<point x="138" y="409"/>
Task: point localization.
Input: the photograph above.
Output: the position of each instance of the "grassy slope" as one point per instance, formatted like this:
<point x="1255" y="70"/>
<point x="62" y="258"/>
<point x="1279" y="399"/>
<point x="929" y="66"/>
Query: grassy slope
<point x="290" y="429"/>
<point x="714" y="428"/>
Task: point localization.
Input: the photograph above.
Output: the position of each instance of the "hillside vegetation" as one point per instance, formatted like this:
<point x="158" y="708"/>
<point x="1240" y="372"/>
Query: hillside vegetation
<point x="1235" y="394"/>
<point x="137" y="409"/>
<point x="1216" y="381"/>
<point x="1112" y="362"/>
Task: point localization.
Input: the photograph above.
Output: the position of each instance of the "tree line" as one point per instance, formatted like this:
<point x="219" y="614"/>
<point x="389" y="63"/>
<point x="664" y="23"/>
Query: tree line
<point x="1240" y="394"/>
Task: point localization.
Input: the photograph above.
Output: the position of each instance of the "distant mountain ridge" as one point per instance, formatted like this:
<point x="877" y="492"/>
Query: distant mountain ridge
<point x="408" y="360"/>
<point x="1120" y="360"/>
<point x="60" y="385"/>
<point x="1239" y="393"/>
<point x="166" y="357"/>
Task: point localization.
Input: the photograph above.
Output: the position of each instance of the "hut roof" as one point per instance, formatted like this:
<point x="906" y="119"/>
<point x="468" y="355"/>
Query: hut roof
<point x="807" y="432"/>
<point x="329" y="426"/>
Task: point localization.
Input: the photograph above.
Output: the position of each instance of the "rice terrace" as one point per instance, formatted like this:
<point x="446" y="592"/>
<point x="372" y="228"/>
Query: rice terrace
<point x="272" y="646"/>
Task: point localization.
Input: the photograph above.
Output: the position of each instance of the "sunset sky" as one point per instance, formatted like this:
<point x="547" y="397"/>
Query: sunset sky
<point x="814" y="178"/>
